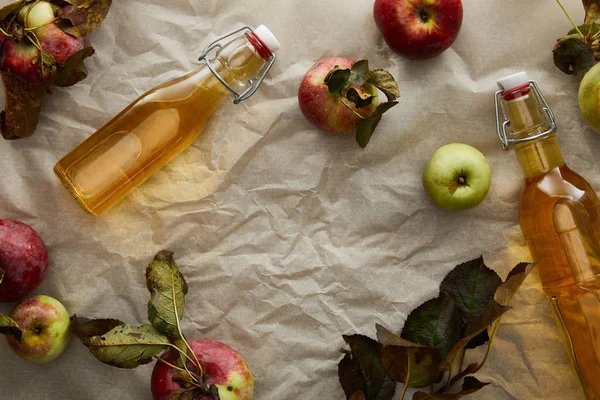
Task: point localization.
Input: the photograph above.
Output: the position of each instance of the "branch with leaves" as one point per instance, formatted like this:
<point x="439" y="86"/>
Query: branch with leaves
<point x="435" y="338"/>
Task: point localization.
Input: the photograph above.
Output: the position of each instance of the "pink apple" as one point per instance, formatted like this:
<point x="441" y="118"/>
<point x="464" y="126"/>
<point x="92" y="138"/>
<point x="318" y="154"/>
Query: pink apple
<point x="326" y="110"/>
<point x="23" y="258"/>
<point x="419" y="28"/>
<point x="45" y="323"/>
<point x="223" y="367"/>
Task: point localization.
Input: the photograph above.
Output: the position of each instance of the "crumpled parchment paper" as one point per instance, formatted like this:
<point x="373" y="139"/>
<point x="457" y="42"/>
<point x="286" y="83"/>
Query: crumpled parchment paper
<point x="289" y="237"/>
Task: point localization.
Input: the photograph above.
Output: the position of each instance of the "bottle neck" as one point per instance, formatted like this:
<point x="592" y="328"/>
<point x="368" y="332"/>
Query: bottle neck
<point x="527" y="119"/>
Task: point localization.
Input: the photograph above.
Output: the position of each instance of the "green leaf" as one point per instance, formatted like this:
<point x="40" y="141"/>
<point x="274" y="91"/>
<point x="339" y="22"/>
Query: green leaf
<point x="350" y="375"/>
<point x="23" y="106"/>
<point x="96" y="13"/>
<point x="337" y="79"/>
<point x="185" y="394"/>
<point x="85" y="328"/>
<point x="378" y="386"/>
<point x="492" y="313"/>
<point x="128" y="346"/>
<point x="385" y="82"/>
<point x="514" y="280"/>
<point x="359" y="73"/>
<point x="73" y="70"/>
<point x="8" y="326"/>
<point x="368" y="125"/>
<point x="396" y="354"/>
<point x="573" y="55"/>
<point x="359" y="97"/>
<point x="586" y="29"/>
<point x="472" y="286"/>
<point x="168" y="289"/>
<point x="470" y="386"/>
<point x="434" y="323"/>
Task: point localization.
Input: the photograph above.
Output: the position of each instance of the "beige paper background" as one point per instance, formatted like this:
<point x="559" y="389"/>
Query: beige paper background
<point x="288" y="237"/>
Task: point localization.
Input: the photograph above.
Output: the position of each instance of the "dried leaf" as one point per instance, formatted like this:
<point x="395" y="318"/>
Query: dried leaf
<point x="368" y="125"/>
<point x="75" y="15"/>
<point x="23" y="106"/>
<point x="470" y="386"/>
<point x="385" y="82"/>
<point x="472" y="286"/>
<point x="183" y="379"/>
<point x="85" y="328"/>
<point x="350" y="375"/>
<point x="435" y="323"/>
<point x="592" y="11"/>
<point x="359" y="73"/>
<point x="8" y="326"/>
<point x="378" y="385"/>
<point x="73" y="70"/>
<point x="360" y="395"/>
<point x="573" y="55"/>
<point x="128" y="346"/>
<point x="96" y="13"/>
<point x="396" y="354"/>
<point x="168" y="289"/>
<point x="479" y="340"/>
<point x="8" y="9"/>
<point x="337" y="79"/>
<point x="359" y="97"/>
<point x="514" y="280"/>
<point x="185" y="394"/>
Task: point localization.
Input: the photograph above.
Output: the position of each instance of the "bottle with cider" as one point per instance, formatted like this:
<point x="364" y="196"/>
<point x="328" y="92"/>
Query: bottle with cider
<point x="560" y="218"/>
<point x="164" y="121"/>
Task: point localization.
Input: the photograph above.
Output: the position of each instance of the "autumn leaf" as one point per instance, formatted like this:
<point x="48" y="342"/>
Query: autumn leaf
<point x="23" y="106"/>
<point x="8" y="326"/>
<point x="96" y="11"/>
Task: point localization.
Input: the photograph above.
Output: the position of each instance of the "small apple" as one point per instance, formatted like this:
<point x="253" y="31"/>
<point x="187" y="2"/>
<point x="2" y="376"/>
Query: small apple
<point x="23" y="260"/>
<point x="589" y="97"/>
<point x="325" y="110"/>
<point x="45" y="323"/>
<point x="223" y="367"/>
<point x="457" y="177"/>
<point x="419" y="29"/>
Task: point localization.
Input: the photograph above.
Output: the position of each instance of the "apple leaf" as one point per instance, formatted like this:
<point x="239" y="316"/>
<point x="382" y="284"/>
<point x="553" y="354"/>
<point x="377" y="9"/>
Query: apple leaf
<point x="359" y="73"/>
<point x="470" y="386"/>
<point x="337" y="79"/>
<point x="168" y="289"/>
<point x="360" y="395"/>
<point x="359" y="97"/>
<point x="9" y="9"/>
<point x="479" y="340"/>
<point x="96" y="11"/>
<point x="385" y="82"/>
<point x="573" y="55"/>
<point x="350" y="375"/>
<point x="434" y="323"/>
<point x="75" y="15"/>
<point x="23" y="106"/>
<point x="472" y="286"/>
<point x="397" y="353"/>
<point x="73" y="70"/>
<point x="85" y="328"/>
<point x="377" y="384"/>
<point x="8" y="326"/>
<point x="592" y="11"/>
<point x="367" y="126"/>
<point x="514" y="280"/>
<point x="128" y="346"/>
<point x="588" y="30"/>
<point x="185" y="394"/>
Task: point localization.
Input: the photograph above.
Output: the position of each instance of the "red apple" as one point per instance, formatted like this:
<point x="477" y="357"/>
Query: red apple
<point x="326" y="110"/>
<point x="419" y="29"/>
<point x="223" y="367"/>
<point x="23" y="258"/>
<point x="45" y="323"/>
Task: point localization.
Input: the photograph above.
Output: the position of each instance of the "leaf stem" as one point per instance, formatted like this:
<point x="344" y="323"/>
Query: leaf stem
<point x="162" y="360"/>
<point x="462" y="359"/>
<point x="570" y="19"/>
<point x="350" y="108"/>
<point x="41" y="26"/>
<point x="407" y="380"/>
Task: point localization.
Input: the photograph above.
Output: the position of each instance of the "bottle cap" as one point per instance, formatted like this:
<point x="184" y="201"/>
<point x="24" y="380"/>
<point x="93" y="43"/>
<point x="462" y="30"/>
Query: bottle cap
<point x="267" y="37"/>
<point x="513" y="81"/>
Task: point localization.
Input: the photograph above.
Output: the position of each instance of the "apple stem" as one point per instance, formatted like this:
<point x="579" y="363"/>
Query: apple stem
<point x="162" y="360"/>
<point x="570" y="19"/>
<point x="42" y="25"/>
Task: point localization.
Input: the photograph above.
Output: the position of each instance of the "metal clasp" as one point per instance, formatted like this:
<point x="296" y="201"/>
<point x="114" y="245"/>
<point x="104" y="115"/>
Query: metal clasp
<point x="502" y="126"/>
<point x="253" y="84"/>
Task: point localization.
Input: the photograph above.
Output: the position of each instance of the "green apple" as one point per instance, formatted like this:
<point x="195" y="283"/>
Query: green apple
<point x="457" y="177"/>
<point x="589" y="97"/>
<point x="46" y="329"/>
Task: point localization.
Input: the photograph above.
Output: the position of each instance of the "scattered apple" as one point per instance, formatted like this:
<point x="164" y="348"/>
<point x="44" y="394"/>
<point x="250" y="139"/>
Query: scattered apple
<point x="457" y="177"/>
<point x="223" y="367"/>
<point x="325" y="110"/>
<point x="23" y="260"/>
<point x="589" y="97"/>
<point x="45" y="323"/>
<point x="419" y="29"/>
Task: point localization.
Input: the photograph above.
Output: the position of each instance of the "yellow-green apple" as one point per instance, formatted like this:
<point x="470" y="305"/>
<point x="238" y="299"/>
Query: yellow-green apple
<point x="23" y="260"/>
<point x="589" y="97"/>
<point x="457" y="177"/>
<point x="223" y="367"/>
<point x="419" y="29"/>
<point x="324" y="109"/>
<point x="45" y="324"/>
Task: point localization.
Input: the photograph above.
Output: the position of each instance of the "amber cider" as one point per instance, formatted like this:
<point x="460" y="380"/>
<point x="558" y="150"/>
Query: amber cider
<point x="560" y="219"/>
<point x="153" y="130"/>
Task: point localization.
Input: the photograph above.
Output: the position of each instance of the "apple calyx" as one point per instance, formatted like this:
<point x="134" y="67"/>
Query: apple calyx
<point x="352" y="85"/>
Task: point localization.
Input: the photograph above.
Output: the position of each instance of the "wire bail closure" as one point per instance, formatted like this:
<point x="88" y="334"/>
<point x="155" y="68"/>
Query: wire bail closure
<point x="253" y="85"/>
<point x="502" y="127"/>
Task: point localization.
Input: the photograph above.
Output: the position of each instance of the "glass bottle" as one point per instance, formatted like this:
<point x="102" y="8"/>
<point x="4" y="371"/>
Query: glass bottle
<point x="164" y="121"/>
<point x="560" y="218"/>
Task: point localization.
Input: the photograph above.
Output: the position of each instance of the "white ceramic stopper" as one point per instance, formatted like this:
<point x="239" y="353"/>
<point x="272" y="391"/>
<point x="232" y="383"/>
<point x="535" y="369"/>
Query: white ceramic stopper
<point x="512" y="81"/>
<point x="267" y="38"/>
